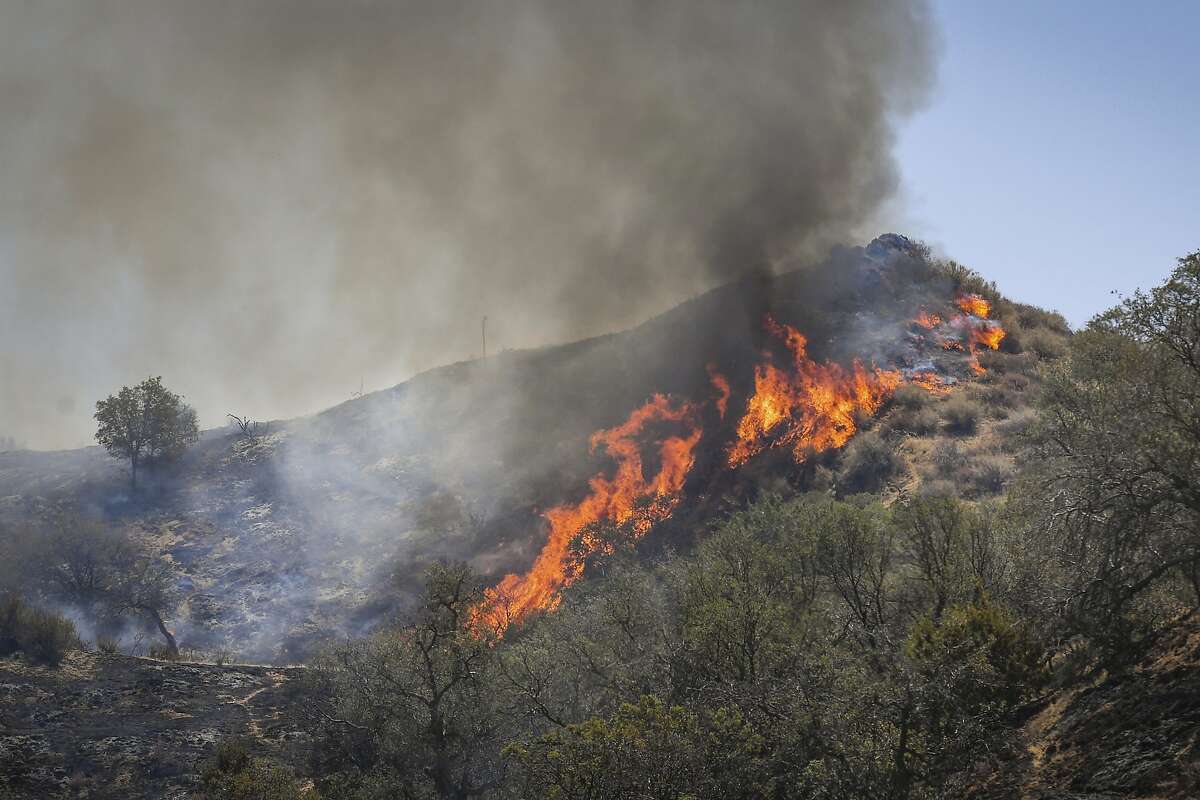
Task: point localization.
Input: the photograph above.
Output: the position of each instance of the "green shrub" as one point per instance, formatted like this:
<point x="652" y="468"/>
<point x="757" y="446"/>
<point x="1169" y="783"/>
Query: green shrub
<point x="233" y="774"/>
<point x="911" y="397"/>
<point x="1044" y="343"/>
<point x="961" y="415"/>
<point x="999" y="398"/>
<point x="1032" y="317"/>
<point x="1016" y="383"/>
<point x="987" y="474"/>
<point x="43" y="636"/>
<point x="866" y="464"/>
<point x="46" y="637"/>
<point x="1012" y="431"/>
<point x="13" y="612"/>
<point x="947" y="459"/>
<point x="917" y="421"/>
<point x="998" y="364"/>
<point x="1007" y="661"/>
<point x="108" y="645"/>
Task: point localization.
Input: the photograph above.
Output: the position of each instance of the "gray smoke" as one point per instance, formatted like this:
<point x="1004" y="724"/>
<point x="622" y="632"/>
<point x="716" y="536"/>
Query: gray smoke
<point x="267" y="201"/>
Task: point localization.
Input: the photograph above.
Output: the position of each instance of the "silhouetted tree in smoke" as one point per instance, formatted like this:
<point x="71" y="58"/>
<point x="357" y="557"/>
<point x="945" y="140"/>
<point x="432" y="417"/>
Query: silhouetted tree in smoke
<point x="105" y="572"/>
<point x="148" y="424"/>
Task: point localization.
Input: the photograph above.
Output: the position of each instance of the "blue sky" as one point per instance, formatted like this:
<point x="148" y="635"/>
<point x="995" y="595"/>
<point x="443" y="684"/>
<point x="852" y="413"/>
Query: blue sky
<point x="1060" y="152"/>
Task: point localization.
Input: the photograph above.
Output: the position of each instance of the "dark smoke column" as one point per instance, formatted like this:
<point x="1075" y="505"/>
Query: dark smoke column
<point x="336" y="186"/>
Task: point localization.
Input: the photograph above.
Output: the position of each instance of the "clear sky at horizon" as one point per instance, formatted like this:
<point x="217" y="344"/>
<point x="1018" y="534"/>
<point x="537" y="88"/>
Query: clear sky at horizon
<point x="1060" y="152"/>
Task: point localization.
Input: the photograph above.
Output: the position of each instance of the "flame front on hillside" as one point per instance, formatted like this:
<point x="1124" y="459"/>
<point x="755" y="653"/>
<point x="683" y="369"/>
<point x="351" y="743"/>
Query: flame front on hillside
<point x="812" y="407"/>
<point x="626" y="498"/>
<point x="808" y="406"/>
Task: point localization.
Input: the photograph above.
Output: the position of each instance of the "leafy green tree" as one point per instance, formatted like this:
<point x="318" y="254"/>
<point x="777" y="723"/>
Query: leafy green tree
<point x="745" y="596"/>
<point x="413" y="712"/>
<point x="645" y="750"/>
<point x="1120" y="443"/>
<point x="147" y="424"/>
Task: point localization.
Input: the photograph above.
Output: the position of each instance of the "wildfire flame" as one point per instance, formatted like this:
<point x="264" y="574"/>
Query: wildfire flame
<point x="721" y="384"/>
<point x="808" y="406"/>
<point x="974" y="305"/>
<point x="620" y="499"/>
<point x="931" y="382"/>
<point x="968" y="331"/>
<point x="927" y="321"/>
<point x="812" y="407"/>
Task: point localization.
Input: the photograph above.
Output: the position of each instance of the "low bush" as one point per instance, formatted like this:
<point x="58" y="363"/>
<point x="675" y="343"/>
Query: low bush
<point x="947" y="459"/>
<point x="1014" y="430"/>
<point x="48" y="637"/>
<point x="917" y="421"/>
<point x="162" y="653"/>
<point x="1032" y="317"/>
<point x="911" y="397"/>
<point x="1044" y="343"/>
<point x="866" y="464"/>
<point x="961" y="414"/>
<point x="987" y="474"/>
<point x="44" y="637"/>
<point x="234" y="774"/>
<point x="1006" y="662"/>
<point x="12" y="615"/>
<point x="994" y="398"/>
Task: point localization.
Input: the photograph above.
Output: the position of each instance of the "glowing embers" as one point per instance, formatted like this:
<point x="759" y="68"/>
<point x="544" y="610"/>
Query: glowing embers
<point x="809" y="407"/>
<point x="627" y="498"/>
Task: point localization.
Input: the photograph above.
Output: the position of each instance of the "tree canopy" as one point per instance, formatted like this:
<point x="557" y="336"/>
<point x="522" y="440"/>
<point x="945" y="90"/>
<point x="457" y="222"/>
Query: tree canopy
<point x="147" y="424"/>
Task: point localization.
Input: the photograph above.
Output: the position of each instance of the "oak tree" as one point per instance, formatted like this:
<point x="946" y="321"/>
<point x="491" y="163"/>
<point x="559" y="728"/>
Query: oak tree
<point x="147" y="424"/>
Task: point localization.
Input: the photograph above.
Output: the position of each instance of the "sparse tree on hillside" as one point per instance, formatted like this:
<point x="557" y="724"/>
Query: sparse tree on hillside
<point x="148" y="424"/>
<point x="103" y="569"/>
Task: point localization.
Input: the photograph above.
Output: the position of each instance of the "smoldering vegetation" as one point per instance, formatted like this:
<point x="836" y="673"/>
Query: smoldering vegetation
<point x="269" y="202"/>
<point x="319" y="527"/>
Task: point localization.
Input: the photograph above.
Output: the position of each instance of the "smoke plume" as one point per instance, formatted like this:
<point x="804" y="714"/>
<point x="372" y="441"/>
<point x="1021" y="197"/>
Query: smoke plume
<point x="269" y="201"/>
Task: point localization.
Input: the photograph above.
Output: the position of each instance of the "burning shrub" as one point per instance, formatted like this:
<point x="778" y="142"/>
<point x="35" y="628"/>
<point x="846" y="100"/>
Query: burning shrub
<point x="961" y="415"/>
<point x="867" y="463"/>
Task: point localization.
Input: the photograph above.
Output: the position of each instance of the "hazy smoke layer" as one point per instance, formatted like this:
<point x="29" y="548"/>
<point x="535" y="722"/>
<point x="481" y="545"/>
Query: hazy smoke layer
<point x="266" y="201"/>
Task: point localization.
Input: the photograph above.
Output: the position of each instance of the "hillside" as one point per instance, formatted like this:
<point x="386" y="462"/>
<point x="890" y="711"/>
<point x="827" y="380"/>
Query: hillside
<point x="113" y="726"/>
<point x="695" y="476"/>
<point x="321" y="524"/>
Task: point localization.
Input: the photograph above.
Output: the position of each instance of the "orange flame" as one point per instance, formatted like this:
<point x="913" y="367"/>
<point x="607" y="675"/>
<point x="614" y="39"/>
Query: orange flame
<point x="813" y="407"/>
<point x="974" y="305"/>
<point x="931" y="382"/>
<point x="721" y="384"/>
<point x="620" y="499"/>
<point x="966" y="331"/>
<point x="927" y="321"/>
